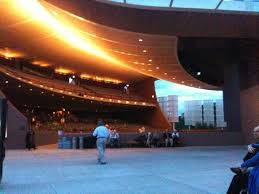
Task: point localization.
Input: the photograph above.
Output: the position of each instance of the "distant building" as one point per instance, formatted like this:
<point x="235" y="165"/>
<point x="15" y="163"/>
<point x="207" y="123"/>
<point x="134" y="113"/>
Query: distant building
<point x="169" y="106"/>
<point x="209" y="112"/>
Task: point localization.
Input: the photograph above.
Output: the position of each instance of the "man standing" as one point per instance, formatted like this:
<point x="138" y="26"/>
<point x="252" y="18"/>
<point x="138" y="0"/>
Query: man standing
<point x="102" y="134"/>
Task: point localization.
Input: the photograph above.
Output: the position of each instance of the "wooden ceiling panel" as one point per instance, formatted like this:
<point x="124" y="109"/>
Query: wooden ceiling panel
<point x="129" y="56"/>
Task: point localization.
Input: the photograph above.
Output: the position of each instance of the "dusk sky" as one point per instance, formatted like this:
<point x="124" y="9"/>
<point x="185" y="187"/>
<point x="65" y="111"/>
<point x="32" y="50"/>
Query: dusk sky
<point x="184" y="93"/>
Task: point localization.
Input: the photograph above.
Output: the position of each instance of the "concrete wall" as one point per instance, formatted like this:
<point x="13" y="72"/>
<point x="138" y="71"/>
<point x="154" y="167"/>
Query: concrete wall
<point x="17" y="125"/>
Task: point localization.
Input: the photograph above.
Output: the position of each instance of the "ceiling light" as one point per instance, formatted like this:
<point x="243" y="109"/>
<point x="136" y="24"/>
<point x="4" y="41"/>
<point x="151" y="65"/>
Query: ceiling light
<point x="173" y="77"/>
<point x="182" y="82"/>
<point x="6" y="82"/>
<point x="150" y="70"/>
<point x="30" y="89"/>
<point x="198" y="73"/>
<point x="150" y="60"/>
<point x="140" y="40"/>
<point x="42" y="92"/>
<point x="144" y="51"/>
<point x="165" y="73"/>
<point x="41" y="63"/>
<point x="157" y="67"/>
<point x="19" y="86"/>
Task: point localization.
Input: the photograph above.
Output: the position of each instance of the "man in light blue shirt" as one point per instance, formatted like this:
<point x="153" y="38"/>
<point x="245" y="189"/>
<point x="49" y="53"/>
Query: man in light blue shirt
<point x="102" y="134"/>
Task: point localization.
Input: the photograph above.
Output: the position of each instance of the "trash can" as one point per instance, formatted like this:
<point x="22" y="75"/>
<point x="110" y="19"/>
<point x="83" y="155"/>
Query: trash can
<point x="81" y="142"/>
<point x="60" y="144"/>
<point x="66" y="143"/>
<point x="74" y="142"/>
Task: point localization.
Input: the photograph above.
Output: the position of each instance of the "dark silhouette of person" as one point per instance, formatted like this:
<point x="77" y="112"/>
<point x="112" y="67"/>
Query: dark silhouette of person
<point x="30" y="139"/>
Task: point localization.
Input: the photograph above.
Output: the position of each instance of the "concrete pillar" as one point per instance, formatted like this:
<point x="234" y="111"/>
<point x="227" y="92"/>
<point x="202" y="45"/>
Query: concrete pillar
<point x="231" y="96"/>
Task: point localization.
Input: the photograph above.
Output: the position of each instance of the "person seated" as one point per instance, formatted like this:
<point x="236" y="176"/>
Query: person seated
<point x="250" y="178"/>
<point x="168" y="138"/>
<point x="149" y="139"/>
<point x="155" y="139"/>
<point x="176" y="137"/>
<point x="240" y="181"/>
<point x="141" y="139"/>
<point x="114" y="139"/>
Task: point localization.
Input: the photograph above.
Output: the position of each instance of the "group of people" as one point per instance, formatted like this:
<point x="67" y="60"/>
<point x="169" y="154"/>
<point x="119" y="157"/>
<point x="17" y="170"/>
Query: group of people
<point x="171" y="138"/>
<point x="246" y="179"/>
<point x="149" y="139"/>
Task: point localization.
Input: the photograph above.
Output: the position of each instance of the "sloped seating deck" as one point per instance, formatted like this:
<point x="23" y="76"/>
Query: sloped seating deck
<point x="90" y="92"/>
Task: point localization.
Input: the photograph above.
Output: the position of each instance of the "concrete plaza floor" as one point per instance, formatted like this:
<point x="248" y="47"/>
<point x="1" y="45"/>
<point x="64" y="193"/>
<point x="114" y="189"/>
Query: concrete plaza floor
<point x="187" y="170"/>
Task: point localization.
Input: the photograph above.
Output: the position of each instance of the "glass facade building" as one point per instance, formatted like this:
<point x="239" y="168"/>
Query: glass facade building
<point x="204" y="112"/>
<point x="169" y="106"/>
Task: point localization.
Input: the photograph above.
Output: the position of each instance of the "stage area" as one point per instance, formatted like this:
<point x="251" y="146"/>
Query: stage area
<point x="186" y="170"/>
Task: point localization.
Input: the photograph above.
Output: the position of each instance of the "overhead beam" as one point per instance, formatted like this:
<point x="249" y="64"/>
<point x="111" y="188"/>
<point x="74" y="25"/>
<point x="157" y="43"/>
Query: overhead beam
<point x="219" y="4"/>
<point x="171" y="3"/>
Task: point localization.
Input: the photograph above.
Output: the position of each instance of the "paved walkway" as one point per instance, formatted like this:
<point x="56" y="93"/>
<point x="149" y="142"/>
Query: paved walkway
<point x="188" y="170"/>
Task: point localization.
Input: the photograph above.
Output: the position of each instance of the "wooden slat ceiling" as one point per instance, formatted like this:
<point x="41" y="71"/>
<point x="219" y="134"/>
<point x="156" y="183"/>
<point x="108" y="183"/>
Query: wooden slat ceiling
<point x="154" y="56"/>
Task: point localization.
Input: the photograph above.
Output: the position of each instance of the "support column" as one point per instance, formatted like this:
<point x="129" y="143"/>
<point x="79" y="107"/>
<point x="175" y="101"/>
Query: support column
<point x="231" y="96"/>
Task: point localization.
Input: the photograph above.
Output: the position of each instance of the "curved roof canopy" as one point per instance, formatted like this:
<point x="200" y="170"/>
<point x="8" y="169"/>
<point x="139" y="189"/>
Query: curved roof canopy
<point x="40" y="31"/>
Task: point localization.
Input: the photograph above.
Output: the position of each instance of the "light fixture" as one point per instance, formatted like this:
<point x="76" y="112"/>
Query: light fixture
<point x="182" y="82"/>
<point x="165" y="73"/>
<point x="30" y="89"/>
<point x="144" y="51"/>
<point x="157" y="67"/>
<point x="153" y="96"/>
<point x="41" y="63"/>
<point x="19" y="86"/>
<point x="198" y="73"/>
<point x="42" y="92"/>
<point x="63" y="71"/>
<point x="150" y="70"/>
<point x="150" y="60"/>
<point x="6" y="82"/>
<point x="140" y="40"/>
